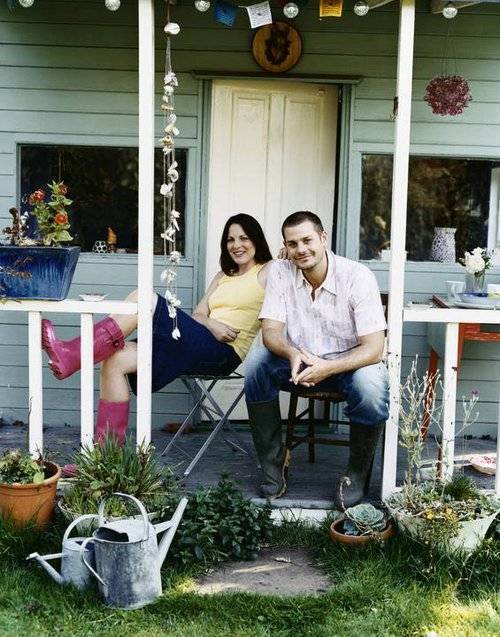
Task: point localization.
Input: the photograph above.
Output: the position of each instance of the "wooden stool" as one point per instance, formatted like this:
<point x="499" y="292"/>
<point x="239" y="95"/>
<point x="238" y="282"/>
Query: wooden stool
<point x="292" y="439"/>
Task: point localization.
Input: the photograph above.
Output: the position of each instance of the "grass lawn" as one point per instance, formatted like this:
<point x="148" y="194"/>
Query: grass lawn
<point x="397" y="590"/>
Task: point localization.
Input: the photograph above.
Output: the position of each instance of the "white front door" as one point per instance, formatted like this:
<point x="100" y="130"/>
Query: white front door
<point x="272" y="152"/>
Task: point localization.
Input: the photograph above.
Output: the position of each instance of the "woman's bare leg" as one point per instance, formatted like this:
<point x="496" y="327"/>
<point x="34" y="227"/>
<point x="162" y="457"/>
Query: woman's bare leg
<point x="114" y="383"/>
<point x="128" y="322"/>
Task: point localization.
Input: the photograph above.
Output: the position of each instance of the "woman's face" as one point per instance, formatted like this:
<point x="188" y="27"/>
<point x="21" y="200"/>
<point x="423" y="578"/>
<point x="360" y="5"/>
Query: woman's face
<point x="241" y="249"/>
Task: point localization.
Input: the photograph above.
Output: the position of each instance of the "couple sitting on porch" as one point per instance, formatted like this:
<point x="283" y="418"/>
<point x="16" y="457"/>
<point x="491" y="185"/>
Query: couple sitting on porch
<point x="334" y="341"/>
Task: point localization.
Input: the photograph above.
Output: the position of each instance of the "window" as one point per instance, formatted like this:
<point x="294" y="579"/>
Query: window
<point x="103" y="184"/>
<point x="442" y="191"/>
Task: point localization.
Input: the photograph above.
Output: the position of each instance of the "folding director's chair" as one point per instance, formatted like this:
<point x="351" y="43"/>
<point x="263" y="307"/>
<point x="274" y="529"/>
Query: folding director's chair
<point x="205" y="401"/>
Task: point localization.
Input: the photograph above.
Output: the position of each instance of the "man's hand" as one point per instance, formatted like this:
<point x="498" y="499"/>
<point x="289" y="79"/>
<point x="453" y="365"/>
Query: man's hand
<point x="317" y="369"/>
<point x="222" y="332"/>
<point x="295" y="359"/>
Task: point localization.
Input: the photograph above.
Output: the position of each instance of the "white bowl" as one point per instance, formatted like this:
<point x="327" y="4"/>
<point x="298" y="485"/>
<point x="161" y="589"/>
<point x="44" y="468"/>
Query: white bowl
<point x="92" y="297"/>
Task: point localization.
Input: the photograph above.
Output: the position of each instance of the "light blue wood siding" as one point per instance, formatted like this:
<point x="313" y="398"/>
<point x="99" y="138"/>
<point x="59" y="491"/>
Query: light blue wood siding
<point x="68" y="75"/>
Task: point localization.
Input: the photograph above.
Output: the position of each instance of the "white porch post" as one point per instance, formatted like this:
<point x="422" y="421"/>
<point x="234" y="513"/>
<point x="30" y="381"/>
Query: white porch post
<point x="146" y="217"/>
<point x="398" y="234"/>
<point x="35" y="406"/>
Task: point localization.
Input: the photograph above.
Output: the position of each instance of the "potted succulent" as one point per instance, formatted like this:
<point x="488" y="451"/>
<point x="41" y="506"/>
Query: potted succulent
<point x="108" y="468"/>
<point x="449" y="514"/>
<point x="27" y="487"/>
<point x="34" y="265"/>
<point x="361" y="524"/>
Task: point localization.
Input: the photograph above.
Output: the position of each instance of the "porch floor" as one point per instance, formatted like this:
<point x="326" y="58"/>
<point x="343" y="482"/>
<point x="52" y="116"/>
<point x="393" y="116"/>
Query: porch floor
<point x="310" y="485"/>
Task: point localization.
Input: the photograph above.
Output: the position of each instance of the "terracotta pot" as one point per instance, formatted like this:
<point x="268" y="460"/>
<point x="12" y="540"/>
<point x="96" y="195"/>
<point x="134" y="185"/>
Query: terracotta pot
<point x="337" y="535"/>
<point x="30" y="502"/>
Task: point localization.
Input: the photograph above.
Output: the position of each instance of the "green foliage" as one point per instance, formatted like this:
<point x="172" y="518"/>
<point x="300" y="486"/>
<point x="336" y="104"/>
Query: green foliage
<point x="110" y="467"/>
<point x="52" y="216"/>
<point x="363" y="519"/>
<point x="461" y="487"/>
<point x="220" y="524"/>
<point x="18" y="467"/>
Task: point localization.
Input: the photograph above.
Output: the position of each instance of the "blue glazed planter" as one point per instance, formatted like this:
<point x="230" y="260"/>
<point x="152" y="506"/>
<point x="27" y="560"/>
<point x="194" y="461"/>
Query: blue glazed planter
<point x="37" y="272"/>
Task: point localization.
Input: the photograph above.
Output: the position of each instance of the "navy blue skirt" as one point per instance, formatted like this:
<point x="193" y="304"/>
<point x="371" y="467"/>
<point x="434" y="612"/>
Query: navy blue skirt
<point x="196" y="352"/>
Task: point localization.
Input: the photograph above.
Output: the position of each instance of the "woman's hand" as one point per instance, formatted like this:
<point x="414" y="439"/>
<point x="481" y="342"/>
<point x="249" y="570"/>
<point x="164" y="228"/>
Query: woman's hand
<point x="222" y="332"/>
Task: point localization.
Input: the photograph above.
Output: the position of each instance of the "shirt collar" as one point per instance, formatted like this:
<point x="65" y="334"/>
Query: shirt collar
<point x="329" y="284"/>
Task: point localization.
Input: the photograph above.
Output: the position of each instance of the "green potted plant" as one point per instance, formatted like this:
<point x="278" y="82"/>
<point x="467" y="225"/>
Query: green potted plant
<point x="27" y="487"/>
<point x="453" y="514"/>
<point x="35" y="265"/>
<point x="108" y="468"/>
<point x="361" y="524"/>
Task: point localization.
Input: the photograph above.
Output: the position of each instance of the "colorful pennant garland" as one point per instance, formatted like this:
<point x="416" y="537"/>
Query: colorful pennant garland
<point x="330" y="8"/>
<point x="225" y="13"/>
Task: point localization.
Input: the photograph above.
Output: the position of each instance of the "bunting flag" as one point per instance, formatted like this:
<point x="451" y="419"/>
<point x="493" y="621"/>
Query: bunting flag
<point x="259" y="14"/>
<point x="225" y="13"/>
<point x="330" y="8"/>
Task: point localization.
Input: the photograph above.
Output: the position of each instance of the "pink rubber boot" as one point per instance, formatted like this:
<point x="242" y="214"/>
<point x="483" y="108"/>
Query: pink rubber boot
<point x="112" y="418"/>
<point x="65" y="355"/>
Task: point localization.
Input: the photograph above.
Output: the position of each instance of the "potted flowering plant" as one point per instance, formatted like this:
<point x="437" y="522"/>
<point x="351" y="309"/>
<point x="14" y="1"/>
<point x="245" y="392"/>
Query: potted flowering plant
<point x="27" y="488"/>
<point x="449" y="514"/>
<point x="35" y="265"/>
<point x="476" y="263"/>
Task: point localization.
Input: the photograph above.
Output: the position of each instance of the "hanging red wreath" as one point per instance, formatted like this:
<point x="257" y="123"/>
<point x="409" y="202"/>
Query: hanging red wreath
<point x="448" y="94"/>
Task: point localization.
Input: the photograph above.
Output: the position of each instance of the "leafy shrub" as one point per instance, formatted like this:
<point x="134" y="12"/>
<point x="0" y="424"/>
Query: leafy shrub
<point x="17" y="466"/>
<point x="219" y="524"/>
<point x="108" y="468"/>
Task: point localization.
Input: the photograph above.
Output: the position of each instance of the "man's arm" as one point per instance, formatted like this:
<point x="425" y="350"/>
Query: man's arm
<point x="276" y="342"/>
<point x="369" y="351"/>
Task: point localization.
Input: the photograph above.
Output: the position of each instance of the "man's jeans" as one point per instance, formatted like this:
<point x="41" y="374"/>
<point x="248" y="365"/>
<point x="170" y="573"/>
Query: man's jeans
<point x="366" y="389"/>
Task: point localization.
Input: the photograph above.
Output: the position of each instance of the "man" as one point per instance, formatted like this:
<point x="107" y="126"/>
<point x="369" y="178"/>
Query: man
<point x="334" y="340"/>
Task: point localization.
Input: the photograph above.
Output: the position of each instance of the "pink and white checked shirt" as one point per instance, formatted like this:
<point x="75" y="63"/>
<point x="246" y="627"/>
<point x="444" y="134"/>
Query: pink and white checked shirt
<point x="347" y="305"/>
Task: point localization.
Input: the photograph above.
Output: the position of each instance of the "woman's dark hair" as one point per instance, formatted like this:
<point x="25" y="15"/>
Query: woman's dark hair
<point x="254" y="232"/>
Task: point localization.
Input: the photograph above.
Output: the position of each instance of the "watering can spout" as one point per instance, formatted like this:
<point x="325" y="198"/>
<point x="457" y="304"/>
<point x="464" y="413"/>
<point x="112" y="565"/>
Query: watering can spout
<point x="170" y="528"/>
<point x="42" y="560"/>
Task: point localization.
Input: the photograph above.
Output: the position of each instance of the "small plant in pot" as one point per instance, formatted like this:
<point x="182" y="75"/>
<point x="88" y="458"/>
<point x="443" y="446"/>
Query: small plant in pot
<point x="360" y="524"/>
<point x="27" y="488"/>
<point x="108" y="468"/>
<point x="35" y="265"/>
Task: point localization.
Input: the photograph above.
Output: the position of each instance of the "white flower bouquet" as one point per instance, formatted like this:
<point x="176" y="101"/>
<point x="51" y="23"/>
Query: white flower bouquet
<point x="477" y="261"/>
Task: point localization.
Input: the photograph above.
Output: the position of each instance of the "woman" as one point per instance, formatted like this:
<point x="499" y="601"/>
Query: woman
<point x="214" y="340"/>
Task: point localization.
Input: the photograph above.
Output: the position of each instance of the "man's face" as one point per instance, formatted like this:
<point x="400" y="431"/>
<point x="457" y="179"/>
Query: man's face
<point x="305" y="245"/>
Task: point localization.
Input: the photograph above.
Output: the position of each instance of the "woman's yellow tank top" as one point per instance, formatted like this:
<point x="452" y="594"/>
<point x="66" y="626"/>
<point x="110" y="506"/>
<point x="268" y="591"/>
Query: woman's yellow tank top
<point x="236" y="301"/>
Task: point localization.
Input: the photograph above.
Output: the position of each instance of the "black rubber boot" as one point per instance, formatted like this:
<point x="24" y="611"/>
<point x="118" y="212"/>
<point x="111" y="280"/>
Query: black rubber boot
<point x="265" y="421"/>
<point x="363" y="443"/>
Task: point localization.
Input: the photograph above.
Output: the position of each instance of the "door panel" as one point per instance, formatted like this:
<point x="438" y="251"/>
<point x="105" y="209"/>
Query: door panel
<point x="272" y="152"/>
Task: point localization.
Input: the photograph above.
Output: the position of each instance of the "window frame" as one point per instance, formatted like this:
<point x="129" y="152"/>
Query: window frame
<point x="353" y="221"/>
<point x="192" y="160"/>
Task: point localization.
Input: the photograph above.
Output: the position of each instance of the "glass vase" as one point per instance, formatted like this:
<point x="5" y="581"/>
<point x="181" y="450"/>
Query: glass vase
<point x="474" y="283"/>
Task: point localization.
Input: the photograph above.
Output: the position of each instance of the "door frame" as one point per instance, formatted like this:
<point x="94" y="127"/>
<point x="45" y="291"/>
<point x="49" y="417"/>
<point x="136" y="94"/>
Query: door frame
<point x="343" y="153"/>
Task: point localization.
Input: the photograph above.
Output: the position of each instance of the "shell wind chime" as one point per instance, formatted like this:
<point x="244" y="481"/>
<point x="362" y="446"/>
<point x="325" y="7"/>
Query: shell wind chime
<point x="170" y="176"/>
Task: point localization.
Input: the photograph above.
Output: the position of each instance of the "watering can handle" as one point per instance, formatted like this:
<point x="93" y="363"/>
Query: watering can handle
<point x="137" y="502"/>
<point x="84" y="546"/>
<point x="87" y="516"/>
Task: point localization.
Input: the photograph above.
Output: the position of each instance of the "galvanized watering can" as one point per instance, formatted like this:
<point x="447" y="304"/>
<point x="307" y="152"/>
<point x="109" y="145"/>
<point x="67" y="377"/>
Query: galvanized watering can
<point x="73" y="570"/>
<point x="128" y="557"/>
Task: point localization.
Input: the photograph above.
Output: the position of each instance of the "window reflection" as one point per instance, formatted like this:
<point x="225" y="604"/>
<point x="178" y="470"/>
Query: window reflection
<point x="442" y="192"/>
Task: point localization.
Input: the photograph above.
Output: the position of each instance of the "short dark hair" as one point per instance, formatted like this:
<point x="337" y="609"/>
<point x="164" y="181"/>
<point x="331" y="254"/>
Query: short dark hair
<point x="299" y="217"/>
<point x="254" y="232"/>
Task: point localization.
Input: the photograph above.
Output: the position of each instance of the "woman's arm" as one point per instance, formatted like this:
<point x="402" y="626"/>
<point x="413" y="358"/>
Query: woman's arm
<point x="201" y="313"/>
<point x="263" y="274"/>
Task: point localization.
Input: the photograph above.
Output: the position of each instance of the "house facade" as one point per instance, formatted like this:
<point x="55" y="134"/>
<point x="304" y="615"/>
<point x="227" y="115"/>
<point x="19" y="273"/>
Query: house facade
<point x="69" y="78"/>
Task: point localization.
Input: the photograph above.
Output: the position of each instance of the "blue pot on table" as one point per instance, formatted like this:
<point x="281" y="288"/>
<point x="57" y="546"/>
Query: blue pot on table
<point x="37" y="272"/>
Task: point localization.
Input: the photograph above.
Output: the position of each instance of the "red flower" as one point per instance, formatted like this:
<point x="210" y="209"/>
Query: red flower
<point x="37" y="197"/>
<point x="61" y="218"/>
